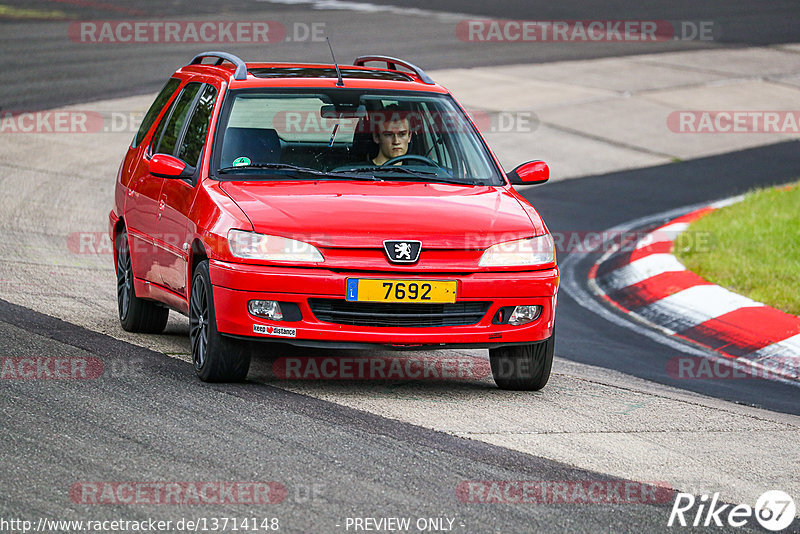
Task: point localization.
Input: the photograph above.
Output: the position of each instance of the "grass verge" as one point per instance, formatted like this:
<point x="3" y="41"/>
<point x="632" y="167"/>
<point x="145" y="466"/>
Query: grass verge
<point x="751" y="248"/>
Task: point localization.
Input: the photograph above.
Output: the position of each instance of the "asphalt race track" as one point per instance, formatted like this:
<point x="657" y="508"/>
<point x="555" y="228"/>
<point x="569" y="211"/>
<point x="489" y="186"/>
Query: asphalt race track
<point x="150" y="417"/>
<point x="349" y="449"/>
<point x="74" y="72"/>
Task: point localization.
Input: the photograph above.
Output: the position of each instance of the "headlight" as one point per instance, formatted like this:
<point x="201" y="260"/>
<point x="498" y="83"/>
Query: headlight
<point x="250" y="245"/>
<point x="532" y="251"/>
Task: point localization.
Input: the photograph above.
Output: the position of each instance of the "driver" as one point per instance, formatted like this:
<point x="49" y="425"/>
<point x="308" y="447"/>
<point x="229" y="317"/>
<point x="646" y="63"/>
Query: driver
<point x="392" y="133"/>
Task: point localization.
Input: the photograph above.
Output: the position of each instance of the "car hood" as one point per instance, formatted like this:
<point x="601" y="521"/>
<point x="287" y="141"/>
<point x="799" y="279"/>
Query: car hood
<point x="363" y="214"/>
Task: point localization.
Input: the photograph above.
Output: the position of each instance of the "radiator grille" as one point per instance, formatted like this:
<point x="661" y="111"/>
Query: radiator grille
<point x="394" y="314"/>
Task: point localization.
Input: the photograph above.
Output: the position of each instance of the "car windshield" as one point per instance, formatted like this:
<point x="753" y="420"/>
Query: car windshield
<point x="347" y="134"/>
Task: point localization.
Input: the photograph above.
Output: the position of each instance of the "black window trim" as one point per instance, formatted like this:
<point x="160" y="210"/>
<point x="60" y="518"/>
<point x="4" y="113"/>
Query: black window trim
<point x="196" y="102"/>
<point x="153" y="144"/>
<point x="167" y="106"/>
<point x="186" y="121"/>
<point x="192" y="180"/>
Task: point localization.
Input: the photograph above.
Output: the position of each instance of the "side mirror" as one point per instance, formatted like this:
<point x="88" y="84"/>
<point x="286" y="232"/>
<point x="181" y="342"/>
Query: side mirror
<point x="531" y="173"/>
<point x="166" y="166"/>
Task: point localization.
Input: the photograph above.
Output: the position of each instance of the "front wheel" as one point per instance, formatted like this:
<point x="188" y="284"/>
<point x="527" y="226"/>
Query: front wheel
<point x="216" y="358"/>
<point x="135" y="314"/>
<point x="523" y="367"/>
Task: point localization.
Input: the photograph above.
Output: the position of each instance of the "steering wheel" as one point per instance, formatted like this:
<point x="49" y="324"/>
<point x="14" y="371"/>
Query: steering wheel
<point x="407" y="157"/>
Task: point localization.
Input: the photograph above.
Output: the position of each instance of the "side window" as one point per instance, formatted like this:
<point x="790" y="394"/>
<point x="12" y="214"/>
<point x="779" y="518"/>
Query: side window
<point x="195" y="136"/>
<point x="174" y="123"/>
<point x="155" y="108"/>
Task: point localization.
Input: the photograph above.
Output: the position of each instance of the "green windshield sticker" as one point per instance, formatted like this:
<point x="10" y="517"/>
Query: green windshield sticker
<point x="241" y="162"/>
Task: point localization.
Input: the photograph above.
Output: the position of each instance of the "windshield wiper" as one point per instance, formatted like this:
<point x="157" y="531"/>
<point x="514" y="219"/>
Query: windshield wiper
<point x="296" y="169"/>
<point x="422" y="176"/>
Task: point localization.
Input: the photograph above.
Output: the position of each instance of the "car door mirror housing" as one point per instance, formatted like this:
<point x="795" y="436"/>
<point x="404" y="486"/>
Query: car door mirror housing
<point x="166" y="166"/>
<point x="530" y="173"/>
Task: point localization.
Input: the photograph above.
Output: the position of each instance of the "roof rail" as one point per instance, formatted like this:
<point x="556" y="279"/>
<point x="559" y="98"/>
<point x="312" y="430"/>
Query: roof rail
<point x="241" y="67"/>
<point x="391" y="64"/>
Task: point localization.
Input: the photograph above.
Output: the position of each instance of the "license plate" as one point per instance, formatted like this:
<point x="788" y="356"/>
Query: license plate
<point x="422" y="291"/>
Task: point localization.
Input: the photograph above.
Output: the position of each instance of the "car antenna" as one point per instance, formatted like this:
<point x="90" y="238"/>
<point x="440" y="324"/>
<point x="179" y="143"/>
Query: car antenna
<point x="340" y="82"/>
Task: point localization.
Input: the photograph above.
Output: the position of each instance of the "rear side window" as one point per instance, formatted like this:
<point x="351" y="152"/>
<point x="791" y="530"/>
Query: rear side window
<point x="155" y="108"/>
<point x="178" y="115"/>
<point x="195" y="136"/>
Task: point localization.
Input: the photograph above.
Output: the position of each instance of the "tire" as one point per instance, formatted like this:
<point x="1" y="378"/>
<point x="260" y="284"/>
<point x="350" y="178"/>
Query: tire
<point x="523" y="367"/>
<point x="135" y="314"/>
<point x="216" y="358"/>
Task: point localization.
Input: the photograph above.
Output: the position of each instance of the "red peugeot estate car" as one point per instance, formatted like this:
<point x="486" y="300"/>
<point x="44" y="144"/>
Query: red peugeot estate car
<point x="328" y="206"/>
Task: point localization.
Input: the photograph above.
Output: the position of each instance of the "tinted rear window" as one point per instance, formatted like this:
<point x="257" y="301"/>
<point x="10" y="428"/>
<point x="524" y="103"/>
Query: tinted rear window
<point x="179" y="112"/>
<point x="158" y="104"/>
<point x="195" y="136"/>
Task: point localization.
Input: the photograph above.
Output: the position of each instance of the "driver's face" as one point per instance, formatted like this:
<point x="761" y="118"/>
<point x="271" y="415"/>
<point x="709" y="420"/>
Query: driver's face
<point x="392" y="138"/>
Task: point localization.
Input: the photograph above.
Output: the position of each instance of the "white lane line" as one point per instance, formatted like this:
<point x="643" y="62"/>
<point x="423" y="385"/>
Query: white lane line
<point x="726" y="202"/>
<point x="786" y="348"/>
<point x="640" y="270"/>
<point x="781" y="358"/>
<point x="666" y="233"/>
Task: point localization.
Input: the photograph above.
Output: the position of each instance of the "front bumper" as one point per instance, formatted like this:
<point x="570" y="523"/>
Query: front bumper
<point x="235" y="284"/>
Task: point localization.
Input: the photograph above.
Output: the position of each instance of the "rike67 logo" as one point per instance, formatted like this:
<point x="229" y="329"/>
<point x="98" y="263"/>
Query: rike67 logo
<point x="774" y="510"/>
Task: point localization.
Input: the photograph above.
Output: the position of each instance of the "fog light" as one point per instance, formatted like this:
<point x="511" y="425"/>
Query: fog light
<point x="269" y="309"/>
<point x="524" y="314"/>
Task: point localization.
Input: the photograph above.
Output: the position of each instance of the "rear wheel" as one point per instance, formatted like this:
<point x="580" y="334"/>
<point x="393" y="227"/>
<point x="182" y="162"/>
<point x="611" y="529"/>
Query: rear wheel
<point x="216" y="358"/>
<point x="135" y="314"/>
<point x="523" y="367"/>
